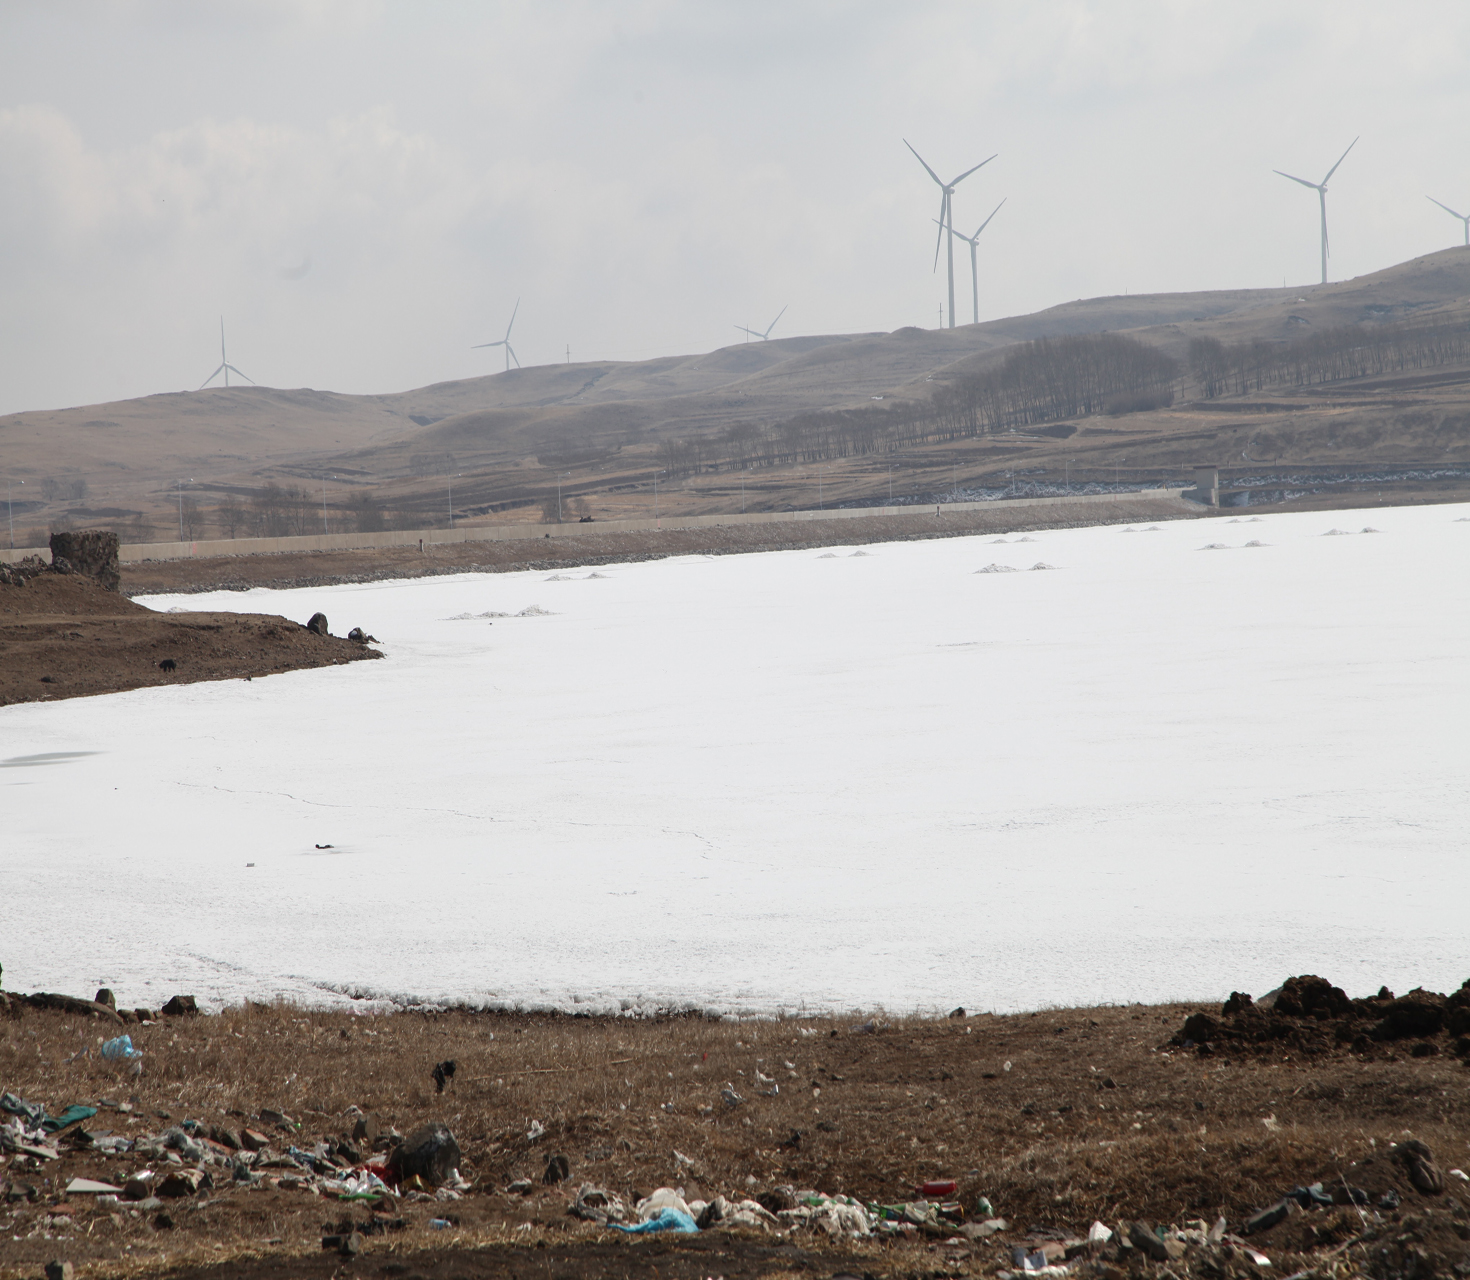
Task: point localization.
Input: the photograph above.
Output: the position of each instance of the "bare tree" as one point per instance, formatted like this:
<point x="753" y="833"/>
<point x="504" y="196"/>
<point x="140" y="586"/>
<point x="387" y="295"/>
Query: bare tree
<point x="232" y="516"/>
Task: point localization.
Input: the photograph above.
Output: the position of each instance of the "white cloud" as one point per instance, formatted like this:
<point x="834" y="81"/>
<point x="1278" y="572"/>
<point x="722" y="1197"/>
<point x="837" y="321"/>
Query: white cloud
<point x="648" y="175"/>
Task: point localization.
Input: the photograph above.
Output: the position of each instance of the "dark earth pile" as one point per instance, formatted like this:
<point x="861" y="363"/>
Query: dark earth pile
<point x="1309" y="1015"/>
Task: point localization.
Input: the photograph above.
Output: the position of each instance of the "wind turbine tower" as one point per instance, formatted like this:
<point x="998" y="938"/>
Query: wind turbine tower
<point x="946" y="215"/>
<point x="1321" y="189"/>
<point x="505" y="341"/>
<point x="1460" y="216"/>
<point x="756" y="333"/>
<point x="225" y="366"/>
<point x="973" y="242"/>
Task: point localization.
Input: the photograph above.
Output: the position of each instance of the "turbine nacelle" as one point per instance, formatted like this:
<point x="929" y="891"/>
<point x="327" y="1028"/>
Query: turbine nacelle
<point x="1321" y="189"/>
<point x="510" y="353"/>
<point x="1462" y="217"/>
<point x="756" y="333"/>
<point x="225" y="366"/>
<point x="946" y="215"/>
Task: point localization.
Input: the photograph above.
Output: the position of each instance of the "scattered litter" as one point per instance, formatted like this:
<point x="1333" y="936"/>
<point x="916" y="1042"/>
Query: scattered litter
<point x="91" y="1187"/>
<point x="537" y="1130"/>
<point x="664" y="1220"/>
<point x="997" y="568"/>
<point x="597" y="1204"/>
<point x="729" y="1097"/>
<point x="442" y="1074"/>
<point x="439" y="1224"/>
<point x="429" y="1153"/>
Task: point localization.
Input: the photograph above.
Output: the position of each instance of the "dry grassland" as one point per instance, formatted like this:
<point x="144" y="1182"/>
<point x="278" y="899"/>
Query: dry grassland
<point x="1059" y="1117"/>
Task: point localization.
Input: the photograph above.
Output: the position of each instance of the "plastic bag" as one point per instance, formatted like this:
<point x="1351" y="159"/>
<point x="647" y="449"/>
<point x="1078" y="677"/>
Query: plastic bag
<point x="121" y="1050"/>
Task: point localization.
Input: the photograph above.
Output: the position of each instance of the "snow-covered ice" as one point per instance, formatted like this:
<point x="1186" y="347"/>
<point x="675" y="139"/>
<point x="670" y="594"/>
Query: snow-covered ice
<point x="790" y="780"/>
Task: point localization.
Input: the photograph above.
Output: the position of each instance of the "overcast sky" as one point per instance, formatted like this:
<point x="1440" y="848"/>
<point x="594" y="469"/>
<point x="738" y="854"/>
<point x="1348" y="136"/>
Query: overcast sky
<point x="363" y="190"/>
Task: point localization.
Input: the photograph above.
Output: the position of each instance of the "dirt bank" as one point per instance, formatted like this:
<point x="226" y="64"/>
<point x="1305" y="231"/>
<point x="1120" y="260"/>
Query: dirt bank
<point x="65" y="636"/>
<point x="326" y="568"/>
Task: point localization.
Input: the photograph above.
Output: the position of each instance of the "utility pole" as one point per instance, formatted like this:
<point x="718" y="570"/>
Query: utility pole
<point x="656" y="475"/>
<point x="181" y="507"/>
<point x="569" y="353"/>
<point x="325" y="529"/>
<point x="559" y="479"/>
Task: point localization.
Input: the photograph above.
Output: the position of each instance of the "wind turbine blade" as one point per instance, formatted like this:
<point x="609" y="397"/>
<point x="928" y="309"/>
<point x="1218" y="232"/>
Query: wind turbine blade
<point x="513" y="355"/>
<point x="1445" y="207"/>
<point x="969" y="240"/>
<point x="1340" y="159"/>
<point x="480" y="345"/>
<point x="211" y="377"/>
<point x="968" y="172"/>
<point x="221" y="340"/>
<point x="943" y="226"/>
<point x="779" y="314"/>
<point x="921" y="160"/>
<point x="511" y="325"/>
<point x="986" y="223"/>
<point x="1316" y="186"/>
<point x="246" y="376"/>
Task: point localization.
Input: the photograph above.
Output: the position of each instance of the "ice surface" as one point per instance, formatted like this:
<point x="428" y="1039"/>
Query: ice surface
<point x="784" y="781"/>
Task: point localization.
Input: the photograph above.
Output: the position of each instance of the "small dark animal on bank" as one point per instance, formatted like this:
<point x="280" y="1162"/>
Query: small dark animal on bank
<point x="443" y="1072"/>
<point x="168" y="664"/>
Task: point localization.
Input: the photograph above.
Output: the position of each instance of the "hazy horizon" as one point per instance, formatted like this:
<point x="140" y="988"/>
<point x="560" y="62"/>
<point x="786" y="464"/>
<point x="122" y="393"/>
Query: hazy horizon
<point x="364" y="191"/>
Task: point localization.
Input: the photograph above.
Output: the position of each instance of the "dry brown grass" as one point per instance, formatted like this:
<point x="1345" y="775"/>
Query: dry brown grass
<point x="1049" y="1140"/>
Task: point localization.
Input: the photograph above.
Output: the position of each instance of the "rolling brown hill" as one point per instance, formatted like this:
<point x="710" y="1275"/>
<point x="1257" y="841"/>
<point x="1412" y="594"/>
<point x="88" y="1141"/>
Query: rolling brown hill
<point x="502" y="441"/>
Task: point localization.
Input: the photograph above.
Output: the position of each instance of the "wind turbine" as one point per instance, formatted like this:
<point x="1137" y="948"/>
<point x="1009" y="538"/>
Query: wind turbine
<point x="1321" y="189"/>
<point x="1460" y="216"/>
<point x="510" y="353"/>
<point x="756" y="333"/>
<point x="225" y="366"/>
<point x="946" y="216"/>
<point x="974" y="268"/>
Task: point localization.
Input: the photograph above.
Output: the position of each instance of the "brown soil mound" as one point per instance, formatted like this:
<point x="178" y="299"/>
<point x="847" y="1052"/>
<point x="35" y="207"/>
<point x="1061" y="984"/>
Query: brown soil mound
<point x="65" y="636"/>
<point x="1307" y="1014"/>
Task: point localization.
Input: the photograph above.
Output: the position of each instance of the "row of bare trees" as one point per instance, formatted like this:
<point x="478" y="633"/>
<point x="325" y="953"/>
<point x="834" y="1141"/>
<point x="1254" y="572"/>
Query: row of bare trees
<point x="1038" y="382"/>
<point x="1332" y="355"/>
